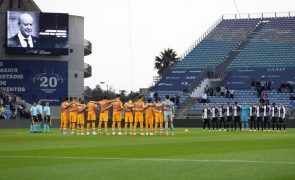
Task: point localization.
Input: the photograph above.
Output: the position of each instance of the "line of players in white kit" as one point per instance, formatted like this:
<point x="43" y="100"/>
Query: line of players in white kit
<point x="261" y="116"/>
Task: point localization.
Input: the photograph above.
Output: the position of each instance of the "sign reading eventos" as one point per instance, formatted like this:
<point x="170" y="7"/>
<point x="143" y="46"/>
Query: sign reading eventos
<point x="33" y="80"/>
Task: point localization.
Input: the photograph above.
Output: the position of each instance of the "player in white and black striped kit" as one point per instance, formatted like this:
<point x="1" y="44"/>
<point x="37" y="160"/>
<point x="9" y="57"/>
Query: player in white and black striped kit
<point x="282" y="115"/>
<point x="274" y="116"/>
<point x="214" y="114"/>
<point x="252" y="113"/>
<point x="266" y="115"/>
<point x="222" y="112"/>
<point x="237" y="115"/>
<point x="229" y="116"/>
<point x="259" y="116"/>
<point x="206" y="113"/>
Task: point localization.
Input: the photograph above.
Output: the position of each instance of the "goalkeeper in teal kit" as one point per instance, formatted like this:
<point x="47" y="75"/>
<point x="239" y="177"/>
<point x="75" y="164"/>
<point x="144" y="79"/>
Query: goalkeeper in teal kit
<point x="245" y="111"/>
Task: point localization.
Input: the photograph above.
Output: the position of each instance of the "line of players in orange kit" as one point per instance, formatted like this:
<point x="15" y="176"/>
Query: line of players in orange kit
<point x="73" y="113"/>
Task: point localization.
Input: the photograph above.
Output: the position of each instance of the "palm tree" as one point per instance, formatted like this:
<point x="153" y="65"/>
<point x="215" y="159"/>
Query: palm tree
<point x="165" y="60"/>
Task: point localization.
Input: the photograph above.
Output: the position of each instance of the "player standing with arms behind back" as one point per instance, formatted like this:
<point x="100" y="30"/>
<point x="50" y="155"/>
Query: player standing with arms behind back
<point x="282" y="115"/>
<point x="229" y="116"/>
<point x="39" y="115"/>
<point x="266" y="115"/>
<point x="47" y="118"/>
<point x="34" y="118"/>
<point x="168" y="114"/>
<point x="214" y="114"/>
<point x="259" y="115"/>
<point x="245" y="111"/>
<point x="237" y="116"/>
<point x="274" y="116"/>
<point x="205" y="116"/>
<point x="222" y="112"/>
<point x="252" y="112"/>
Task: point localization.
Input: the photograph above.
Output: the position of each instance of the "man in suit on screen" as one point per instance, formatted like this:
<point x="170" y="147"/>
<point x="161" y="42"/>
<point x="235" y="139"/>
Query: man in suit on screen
<point x="24" y="37"/>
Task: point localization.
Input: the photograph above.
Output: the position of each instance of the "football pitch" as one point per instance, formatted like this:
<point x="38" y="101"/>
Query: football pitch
<point x="196" y="155"/>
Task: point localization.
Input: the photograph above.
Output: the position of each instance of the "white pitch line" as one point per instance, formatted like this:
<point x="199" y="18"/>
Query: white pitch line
<point x="154" y="159"/>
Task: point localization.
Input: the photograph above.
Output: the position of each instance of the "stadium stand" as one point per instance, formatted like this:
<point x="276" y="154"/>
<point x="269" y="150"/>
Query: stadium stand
<point x="210" y="52"/>
<point x="240" y="52"/>
<point x="248" y="96"/>
<point x="215" y="47"/>
<point x="12" y="107"/>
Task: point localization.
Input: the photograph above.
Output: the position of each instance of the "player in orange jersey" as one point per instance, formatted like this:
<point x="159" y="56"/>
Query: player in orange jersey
<point x="91" y="117"/>
<point x="128" y="116"/>
<point x="64" y="117"/>
<point x="104" y="114"/>
<point x="149" y="117"/>
<point x="80" y="117"/>
<point x="73" y="114"/>
<point x="158" y="109"/>
<point x="117" y="115"/>
<point x="138" y="107"/>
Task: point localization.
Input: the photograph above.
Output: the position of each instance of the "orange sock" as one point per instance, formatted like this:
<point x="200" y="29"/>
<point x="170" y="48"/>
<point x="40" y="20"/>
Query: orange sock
<point x="131" y="127"/>
<point x="113" y="125"/>
<point x="105" y="127"/>
<point x="78" y="128"/>
<point x="119" y="125"/>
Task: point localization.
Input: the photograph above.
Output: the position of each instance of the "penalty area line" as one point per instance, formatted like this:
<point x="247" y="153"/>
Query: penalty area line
<point x="156" y="159"/>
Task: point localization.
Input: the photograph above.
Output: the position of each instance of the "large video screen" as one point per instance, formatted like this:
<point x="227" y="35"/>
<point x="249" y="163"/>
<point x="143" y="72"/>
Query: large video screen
<point x="37" y="33"/>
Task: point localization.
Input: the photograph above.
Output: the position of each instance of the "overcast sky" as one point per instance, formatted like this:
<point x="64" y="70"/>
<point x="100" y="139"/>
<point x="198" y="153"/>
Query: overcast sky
<point x="155" y="26"/>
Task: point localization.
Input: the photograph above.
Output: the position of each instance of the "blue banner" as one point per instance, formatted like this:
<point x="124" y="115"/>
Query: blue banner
<point x="33" y="80"/>
<point x="241" y="78"/>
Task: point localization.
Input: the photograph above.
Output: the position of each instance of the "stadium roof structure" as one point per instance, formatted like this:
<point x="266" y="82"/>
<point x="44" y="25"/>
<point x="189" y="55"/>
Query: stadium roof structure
<point x="18" y="5"/>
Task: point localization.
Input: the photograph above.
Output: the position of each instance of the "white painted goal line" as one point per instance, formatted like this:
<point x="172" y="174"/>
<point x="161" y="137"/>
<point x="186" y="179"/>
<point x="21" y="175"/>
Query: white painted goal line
<point x="156" y="159"/>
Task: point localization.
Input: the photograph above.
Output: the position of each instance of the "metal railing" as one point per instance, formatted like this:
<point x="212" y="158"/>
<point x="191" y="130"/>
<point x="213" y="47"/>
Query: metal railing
<point x="195" y="43"/>
<point x="259" y="15"/>
<point x="198" y="81"/>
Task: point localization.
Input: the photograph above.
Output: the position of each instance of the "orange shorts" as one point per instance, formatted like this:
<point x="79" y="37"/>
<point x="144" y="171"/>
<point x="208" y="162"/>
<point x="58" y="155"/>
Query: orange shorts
<point x="117" y="116"/>
<point x="91" y="116"/>
<point x="138" y="117"/>
<point x="80" y="119"/>
<point x="104" y="117"/>
<point x="159" y="118"/>
<point x="128" y="117"/>
<point x="149" y="120"/>
<point x="73" y="117"/>
<point x="64" y="120"/>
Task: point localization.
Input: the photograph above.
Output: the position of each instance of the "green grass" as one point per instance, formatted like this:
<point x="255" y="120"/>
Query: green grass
<point x="197" y="155"/>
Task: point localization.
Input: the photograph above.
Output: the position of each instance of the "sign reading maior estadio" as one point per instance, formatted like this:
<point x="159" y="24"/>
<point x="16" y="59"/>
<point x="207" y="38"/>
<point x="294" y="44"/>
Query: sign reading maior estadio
<point x="33" y="80"/>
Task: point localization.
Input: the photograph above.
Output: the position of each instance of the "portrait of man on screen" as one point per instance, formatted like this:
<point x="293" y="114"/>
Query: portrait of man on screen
<point x="26" y="27"/>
